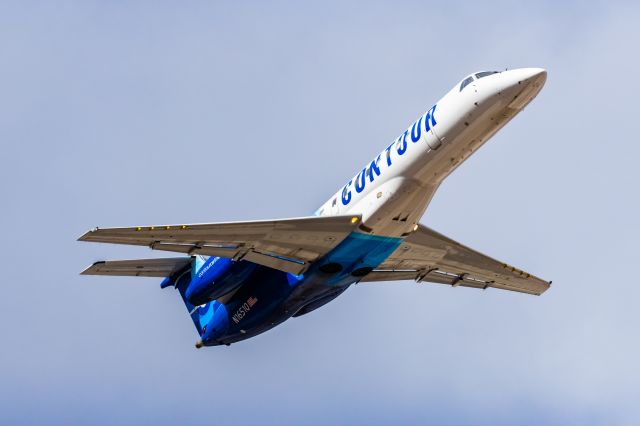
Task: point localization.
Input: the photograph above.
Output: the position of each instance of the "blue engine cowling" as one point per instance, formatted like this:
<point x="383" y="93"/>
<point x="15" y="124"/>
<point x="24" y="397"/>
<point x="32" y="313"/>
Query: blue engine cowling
<point x="215" y="278"/>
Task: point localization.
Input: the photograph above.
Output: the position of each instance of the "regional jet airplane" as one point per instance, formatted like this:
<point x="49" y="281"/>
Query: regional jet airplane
<point x="240" y="279"/>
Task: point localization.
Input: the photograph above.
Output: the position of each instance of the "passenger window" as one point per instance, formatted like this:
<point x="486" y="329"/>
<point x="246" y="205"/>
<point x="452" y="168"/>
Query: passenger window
<point x="466" y="82"/>
<point x="485" y="73"/>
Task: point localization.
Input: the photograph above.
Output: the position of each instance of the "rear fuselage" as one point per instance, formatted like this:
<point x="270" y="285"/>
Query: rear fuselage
<point x="391" y="192"/>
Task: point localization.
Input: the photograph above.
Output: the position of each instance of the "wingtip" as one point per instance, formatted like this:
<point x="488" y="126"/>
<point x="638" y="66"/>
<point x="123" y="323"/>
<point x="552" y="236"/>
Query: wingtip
<point x="85" y="236"/>
<point x="545" y="290"/>
<point x="87" y="270"/>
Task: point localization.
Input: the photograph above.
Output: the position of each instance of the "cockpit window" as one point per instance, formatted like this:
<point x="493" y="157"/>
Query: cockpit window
<point x="466" y="82"/>
<point x="485" y="73"/>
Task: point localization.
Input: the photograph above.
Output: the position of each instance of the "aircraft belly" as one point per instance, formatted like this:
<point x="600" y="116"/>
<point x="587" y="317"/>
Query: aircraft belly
<point x="271" y="297"/>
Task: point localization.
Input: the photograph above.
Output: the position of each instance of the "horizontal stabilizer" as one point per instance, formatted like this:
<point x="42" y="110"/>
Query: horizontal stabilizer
<point x="139" y="267"/>
<point x="289" y="245"/>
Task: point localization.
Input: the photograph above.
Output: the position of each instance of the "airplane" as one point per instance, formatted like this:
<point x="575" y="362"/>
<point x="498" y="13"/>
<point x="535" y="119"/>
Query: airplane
<point x="240" y="279"/>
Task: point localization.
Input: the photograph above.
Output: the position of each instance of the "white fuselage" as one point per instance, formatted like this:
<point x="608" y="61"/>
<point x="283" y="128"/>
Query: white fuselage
<point x="393" y="191"/>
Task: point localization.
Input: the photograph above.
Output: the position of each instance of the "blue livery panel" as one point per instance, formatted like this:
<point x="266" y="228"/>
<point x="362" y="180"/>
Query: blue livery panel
<point x="257" y="298"/>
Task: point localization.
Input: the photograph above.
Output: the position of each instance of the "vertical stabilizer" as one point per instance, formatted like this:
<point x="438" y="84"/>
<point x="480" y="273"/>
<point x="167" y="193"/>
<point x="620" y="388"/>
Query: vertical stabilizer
<point x="210" y="319"/>
<point x="181" y="281"/>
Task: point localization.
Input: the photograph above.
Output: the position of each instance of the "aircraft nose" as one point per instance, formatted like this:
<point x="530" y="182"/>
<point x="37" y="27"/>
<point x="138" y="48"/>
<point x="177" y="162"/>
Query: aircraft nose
<point x="524" y="77"/>
<point x="535" y="77"/>
<point x="521" y="85"/>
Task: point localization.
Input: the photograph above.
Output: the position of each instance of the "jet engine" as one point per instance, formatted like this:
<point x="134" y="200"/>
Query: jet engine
<point x="215" y="278"/>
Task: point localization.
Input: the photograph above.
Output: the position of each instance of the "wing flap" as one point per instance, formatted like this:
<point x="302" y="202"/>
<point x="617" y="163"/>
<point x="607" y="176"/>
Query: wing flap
<point x="427" y="255"/>
<point x="162" y="267"/>
<point x="203" y="249"/>
<point x="295" y="267"/>
<point x="286" y="244"/>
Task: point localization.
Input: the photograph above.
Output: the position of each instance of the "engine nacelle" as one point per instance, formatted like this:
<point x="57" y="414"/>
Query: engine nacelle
<point x="215" y="278"/>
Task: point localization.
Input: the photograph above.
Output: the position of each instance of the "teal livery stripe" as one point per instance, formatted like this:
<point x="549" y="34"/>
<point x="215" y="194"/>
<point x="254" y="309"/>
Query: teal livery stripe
<point x="361" y="252"/>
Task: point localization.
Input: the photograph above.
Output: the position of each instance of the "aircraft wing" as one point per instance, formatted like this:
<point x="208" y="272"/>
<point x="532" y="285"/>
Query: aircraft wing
<point x="162" y="267"/>
<point x="427" y="255"/>
<point x="289" y="245"/>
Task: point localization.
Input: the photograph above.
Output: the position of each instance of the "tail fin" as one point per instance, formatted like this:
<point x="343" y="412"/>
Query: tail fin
<point x="181" y="281"/>
<point x="211" y="319"/>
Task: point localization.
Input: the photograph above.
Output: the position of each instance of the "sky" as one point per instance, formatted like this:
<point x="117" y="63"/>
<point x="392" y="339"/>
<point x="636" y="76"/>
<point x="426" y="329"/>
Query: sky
<point x="133" y="113"/>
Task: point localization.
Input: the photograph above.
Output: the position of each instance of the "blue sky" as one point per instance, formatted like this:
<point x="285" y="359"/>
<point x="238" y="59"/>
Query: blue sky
<point x="127" y="113"/>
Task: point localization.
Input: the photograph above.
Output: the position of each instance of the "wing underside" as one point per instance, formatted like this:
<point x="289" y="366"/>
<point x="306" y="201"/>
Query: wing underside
<point x="289" y="245"/>
<point x="428" y="256"/>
